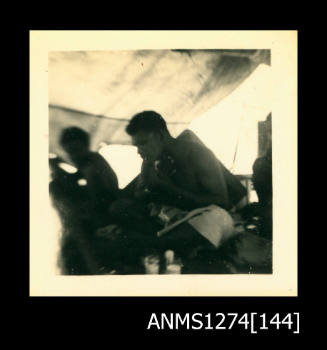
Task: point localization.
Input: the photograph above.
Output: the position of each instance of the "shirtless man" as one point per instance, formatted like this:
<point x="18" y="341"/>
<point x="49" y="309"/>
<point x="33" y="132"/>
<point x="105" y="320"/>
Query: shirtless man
<point x="175" y="172"/>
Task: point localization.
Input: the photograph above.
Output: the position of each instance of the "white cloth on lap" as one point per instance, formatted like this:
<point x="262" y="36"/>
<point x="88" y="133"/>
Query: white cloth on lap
<point x="212" y="222"/>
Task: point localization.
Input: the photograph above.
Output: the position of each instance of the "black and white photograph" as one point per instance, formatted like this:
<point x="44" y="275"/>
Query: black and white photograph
<point x="163" y="165"/>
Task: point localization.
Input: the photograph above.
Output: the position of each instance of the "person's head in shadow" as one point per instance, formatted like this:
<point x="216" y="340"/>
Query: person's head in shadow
<point x="149" y="134"/>
<point x="76" y="142"/>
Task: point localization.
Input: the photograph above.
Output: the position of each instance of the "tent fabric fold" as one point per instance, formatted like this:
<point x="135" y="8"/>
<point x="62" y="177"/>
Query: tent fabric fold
<point x="100" y="91"/>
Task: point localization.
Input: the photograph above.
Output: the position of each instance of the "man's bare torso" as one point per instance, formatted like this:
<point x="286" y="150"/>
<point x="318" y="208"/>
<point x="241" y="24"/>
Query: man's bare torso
<point x="183" y="172"/>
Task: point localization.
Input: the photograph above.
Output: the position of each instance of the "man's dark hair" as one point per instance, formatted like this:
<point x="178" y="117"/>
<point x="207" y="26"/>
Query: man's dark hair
<point x="72" y="134"/>
<point x="146" y="121"/>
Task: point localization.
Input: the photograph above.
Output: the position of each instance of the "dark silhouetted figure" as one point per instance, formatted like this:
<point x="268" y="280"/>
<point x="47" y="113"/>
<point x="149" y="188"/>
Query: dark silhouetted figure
<point x="262" y="183"/>
<point x="83" y="207"/>
<point x="101" y="180"/>
<point x="71" y="203"/>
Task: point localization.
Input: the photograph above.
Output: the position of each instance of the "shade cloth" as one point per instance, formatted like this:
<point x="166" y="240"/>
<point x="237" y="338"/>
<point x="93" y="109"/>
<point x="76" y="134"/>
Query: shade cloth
<point x="100" y="91"/>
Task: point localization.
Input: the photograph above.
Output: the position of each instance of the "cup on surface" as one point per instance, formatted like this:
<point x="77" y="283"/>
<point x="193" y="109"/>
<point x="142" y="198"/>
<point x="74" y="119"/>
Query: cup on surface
<point x="151" y="264"/>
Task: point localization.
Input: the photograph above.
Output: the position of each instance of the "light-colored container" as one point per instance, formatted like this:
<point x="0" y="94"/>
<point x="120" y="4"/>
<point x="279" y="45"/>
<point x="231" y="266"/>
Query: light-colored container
<point x="173" y="265"/>
<point x="151" y="265"/>
<point x="173" y="269"/>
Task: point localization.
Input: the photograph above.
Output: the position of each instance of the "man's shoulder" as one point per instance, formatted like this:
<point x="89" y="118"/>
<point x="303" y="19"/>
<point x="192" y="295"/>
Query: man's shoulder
<point x="95" y="161"/>
<point x="191" y="148"/>
<point x="197" y="153"/>
<point x="97" y="158"/>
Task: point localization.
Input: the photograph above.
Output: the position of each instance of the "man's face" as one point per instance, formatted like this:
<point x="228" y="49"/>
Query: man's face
<point x="149" y="145"/>
<point x="77" y="152"/>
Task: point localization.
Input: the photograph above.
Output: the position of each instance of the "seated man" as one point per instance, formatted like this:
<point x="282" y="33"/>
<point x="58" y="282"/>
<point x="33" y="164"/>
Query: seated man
<point x="177" y="176"/>
<point x="88" y="208"/>
<point x="82" y="209"/>
<point x="101" y="180"/>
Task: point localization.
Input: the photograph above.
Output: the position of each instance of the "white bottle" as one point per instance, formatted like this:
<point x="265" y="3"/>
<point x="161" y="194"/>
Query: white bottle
<point x="173" y="265"/>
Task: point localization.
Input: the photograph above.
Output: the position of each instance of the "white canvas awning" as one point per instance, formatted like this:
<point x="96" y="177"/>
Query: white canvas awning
<point x="100" y="91"/>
